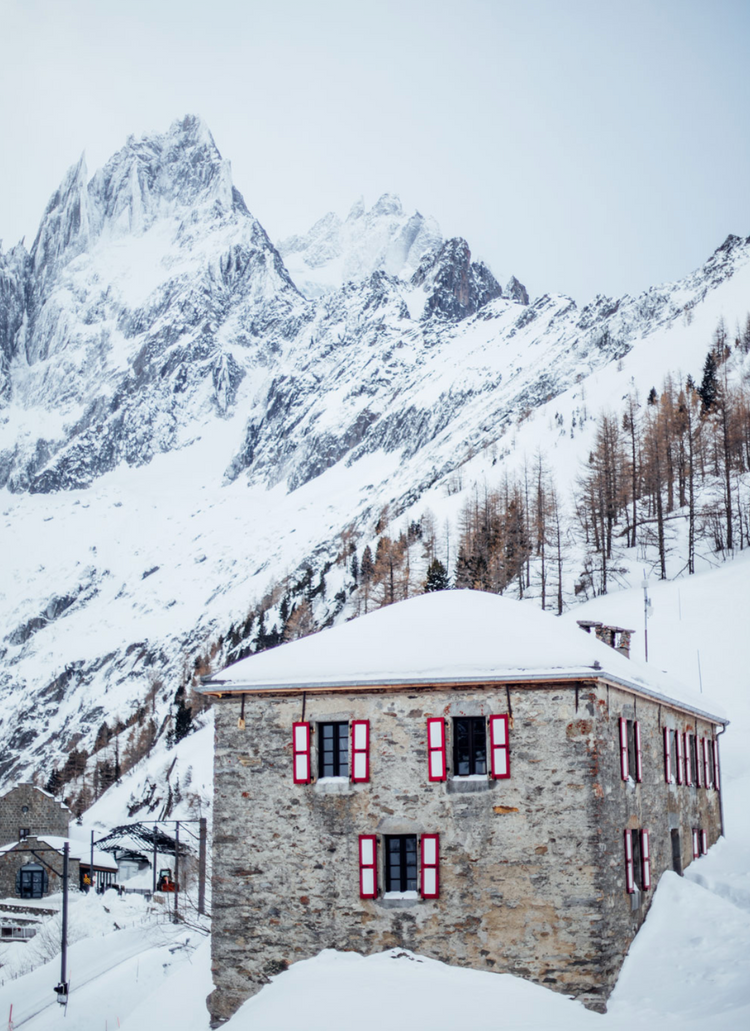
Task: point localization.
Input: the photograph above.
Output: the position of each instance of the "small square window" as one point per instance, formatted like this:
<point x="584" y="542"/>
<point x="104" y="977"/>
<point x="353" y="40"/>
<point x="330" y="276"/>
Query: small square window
<point x="333" y="749"/>
<point x="469" y="746"/>
<point x="401" y="862"/>
<point x="23" y="833"/>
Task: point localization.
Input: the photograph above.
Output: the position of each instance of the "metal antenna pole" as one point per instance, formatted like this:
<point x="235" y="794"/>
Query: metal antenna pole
<point x="202" y="867"/>
<point x="645" y="612"/>
<point x="177" y="872"/>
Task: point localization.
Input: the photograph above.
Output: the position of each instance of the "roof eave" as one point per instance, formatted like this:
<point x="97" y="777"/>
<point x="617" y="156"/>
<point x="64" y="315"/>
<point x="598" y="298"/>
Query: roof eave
<point x="213" y="686"/>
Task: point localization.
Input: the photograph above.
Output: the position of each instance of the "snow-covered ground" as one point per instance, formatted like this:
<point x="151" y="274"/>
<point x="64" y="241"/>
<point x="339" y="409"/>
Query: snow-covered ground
<point x="688" y="968"/>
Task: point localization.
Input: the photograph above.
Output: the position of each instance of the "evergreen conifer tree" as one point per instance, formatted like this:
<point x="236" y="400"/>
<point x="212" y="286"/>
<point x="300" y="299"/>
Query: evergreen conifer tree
<point x="708" y="387"/>
<point x="437" y="577"/>
<point x="183" y="716"/>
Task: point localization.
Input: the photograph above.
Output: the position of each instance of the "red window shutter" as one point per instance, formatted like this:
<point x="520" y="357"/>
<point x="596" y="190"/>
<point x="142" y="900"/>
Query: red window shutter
<point x="715" y="744"/>
<point x="696" y="847"/>
<point x="696" y="746"/>
<point x="704" y="843"/>
<point x="500" y="747"/>
<point x="360" y="751"/>
<point x="645" y="861"/>
<point x="629" y="878"/>
<point x="436" y="768"/>
<point x="678" y="740"/>
<point x="368" y="866"/>
<point x="707" y="780"/>
<point x="624" y="768"/>
<point x="430" y="872"/>
<point x="667" y="755"/>
<point x="638" y="760"/>
<point x="688" y="762"/>
<point x="301" y="745"/>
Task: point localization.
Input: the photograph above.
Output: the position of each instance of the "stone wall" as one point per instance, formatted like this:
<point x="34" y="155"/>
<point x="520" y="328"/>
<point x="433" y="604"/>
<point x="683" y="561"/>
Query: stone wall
<point x="20" y="855"/>
<point x="44" y="814"/>
<point x="652" y="804"/>
<point x="531" y="868"/>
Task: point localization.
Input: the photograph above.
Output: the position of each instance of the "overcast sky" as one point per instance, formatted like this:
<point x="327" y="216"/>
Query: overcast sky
<point x="586" y="146"/>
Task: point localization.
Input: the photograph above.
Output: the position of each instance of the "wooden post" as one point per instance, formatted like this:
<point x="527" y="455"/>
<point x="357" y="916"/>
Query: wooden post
<point x="202" y="866"/>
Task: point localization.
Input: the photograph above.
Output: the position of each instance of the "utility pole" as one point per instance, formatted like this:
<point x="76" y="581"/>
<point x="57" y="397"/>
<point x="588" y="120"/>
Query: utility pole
<point x="646" y="607"/>
<point x="202" y="867"/>
<point x="91" y="868"/>
<point x="62" y="988"/>
<point x="154" y="890"/>
<point x="177" y="872"/>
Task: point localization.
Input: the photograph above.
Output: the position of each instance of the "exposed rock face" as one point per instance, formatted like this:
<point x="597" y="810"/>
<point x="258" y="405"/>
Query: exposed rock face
<point x="516" y="291"/>
<point x="456" y="286"/>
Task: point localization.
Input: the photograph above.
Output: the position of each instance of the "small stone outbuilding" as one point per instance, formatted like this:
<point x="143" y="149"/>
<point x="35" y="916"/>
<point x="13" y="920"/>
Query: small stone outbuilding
<point x="460" y="775"/>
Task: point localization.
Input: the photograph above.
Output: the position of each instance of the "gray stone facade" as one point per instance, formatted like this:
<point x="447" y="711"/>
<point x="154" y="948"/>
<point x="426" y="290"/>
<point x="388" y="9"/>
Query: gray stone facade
<point x="532" y="868"/>
<point x="27" y="808"/>
<point x="38" y="853"/>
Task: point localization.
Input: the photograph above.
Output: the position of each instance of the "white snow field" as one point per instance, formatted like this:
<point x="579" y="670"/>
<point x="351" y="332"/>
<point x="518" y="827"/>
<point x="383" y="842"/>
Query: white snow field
<point x="688" y="968"/>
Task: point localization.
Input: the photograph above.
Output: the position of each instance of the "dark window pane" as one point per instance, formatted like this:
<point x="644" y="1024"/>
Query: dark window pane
<point x="333" y="749"/>
<point x="469" y="746"/>
<point x="401" y="862"/>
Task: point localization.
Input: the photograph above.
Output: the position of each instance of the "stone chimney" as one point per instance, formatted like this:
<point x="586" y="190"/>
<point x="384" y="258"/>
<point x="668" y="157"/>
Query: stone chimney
<point x="616" y="637"/>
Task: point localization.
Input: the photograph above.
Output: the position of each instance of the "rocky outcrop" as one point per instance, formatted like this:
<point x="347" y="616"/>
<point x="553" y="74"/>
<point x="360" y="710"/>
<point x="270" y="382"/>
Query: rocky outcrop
<point x="456" y="286"/>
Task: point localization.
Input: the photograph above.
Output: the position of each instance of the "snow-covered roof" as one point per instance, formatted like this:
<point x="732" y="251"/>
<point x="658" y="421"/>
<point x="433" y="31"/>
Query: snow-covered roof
<point x="78" y="850"/>
<point x="28" y="784"/>
<point x="450" y="637"/>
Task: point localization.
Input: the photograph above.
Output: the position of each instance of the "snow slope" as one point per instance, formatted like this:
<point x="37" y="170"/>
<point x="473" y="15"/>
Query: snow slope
<point x="689" y="967"/>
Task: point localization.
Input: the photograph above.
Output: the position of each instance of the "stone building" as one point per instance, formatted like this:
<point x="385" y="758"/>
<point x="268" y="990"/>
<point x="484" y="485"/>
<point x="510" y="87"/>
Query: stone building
<point x="460" y="775"/>
<point x="26" y="810"/>
<point x="34" y="827"/>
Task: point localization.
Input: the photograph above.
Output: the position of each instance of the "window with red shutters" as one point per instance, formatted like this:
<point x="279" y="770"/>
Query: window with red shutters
<point x="637" y="749"/>
<point x="715" y="750"/>
<point x="360" y="751"/>
<point x="436" y="766"/>
<point x="645" y="861"/>
<point x="696" y="843"/>
<point x="368" y="866"/>
<point x="430" y="872"/>
<point x="668" y="775"/>
<point x="688" y="761"/>
<point x="624" y="764"/>
<point x="629" y="873"/>
<point x="696" y="756"/>
<point x="704" y="843"/>
<point x="499" y="747"/>
<point x="301" y="749"/>
<point x="707" y="772"/>
<point x="679" y="746"/>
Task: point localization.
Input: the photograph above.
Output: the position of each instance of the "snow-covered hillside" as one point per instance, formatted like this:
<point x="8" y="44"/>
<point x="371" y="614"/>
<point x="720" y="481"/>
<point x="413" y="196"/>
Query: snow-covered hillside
<point x="688" y="967"/>
<point x="182" y="430"/>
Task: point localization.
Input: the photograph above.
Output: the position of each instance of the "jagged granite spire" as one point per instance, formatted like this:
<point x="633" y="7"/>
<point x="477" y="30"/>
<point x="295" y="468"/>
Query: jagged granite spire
<point x="456" y="286"/>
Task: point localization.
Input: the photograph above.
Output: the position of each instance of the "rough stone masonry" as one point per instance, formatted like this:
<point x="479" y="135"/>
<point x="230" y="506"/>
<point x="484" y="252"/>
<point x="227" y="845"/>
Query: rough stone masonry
<point x="532" y="869"/>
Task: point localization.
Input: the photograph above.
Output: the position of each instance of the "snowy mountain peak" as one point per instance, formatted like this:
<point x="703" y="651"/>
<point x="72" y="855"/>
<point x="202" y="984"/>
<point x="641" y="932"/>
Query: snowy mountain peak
<point x="64" y="229"/>
<point x="456" y="285"/>
<point x="334" y="252"/>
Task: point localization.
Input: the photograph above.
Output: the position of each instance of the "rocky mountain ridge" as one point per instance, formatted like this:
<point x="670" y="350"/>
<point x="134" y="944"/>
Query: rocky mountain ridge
<point x="181" y="427"/>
